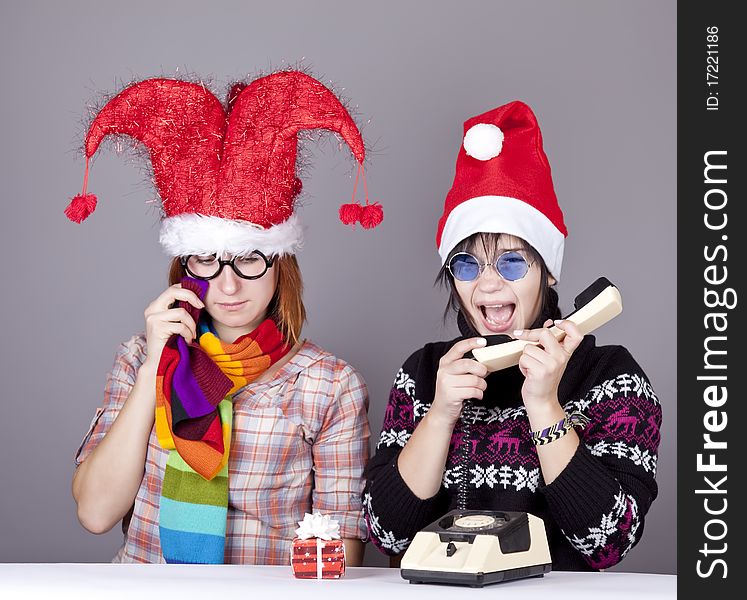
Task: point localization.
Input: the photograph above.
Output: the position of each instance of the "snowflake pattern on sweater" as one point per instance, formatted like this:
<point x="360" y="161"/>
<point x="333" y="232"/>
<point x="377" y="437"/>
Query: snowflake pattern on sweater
<point x="593" y="511"/>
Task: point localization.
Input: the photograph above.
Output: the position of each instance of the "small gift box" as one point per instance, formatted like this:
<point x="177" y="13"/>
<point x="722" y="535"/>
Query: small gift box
<point x="318" y="552"/>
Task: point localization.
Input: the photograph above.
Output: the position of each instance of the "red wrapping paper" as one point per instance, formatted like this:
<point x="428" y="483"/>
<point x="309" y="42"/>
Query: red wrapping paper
<point x="315" y="558"/>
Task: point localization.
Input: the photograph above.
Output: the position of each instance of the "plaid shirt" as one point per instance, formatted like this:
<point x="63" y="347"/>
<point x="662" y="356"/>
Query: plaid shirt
<point x="299" y="444"/>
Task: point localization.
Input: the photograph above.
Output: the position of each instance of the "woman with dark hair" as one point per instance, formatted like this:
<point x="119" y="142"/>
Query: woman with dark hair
<point x="221" y="426"/>
<point x="570" y="434"/>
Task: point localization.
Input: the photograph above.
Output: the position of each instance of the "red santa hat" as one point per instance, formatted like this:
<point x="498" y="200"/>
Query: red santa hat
<point x="503" y="185"/>
<point x="226" y="175"/>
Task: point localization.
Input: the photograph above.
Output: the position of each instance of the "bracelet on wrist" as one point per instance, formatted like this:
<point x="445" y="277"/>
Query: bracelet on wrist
<point x="557" y="431"/>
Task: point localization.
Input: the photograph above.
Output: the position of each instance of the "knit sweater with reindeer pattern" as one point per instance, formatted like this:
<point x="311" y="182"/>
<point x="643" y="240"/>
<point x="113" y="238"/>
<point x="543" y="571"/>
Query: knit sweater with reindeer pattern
<point x="593" y="511"/>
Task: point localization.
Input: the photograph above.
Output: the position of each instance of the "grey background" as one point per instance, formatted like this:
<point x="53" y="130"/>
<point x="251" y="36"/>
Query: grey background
<point x="600" y="76"/>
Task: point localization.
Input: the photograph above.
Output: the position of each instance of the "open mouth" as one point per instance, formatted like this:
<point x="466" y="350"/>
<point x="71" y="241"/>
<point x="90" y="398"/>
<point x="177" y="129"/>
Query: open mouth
<point x="497" y="317"/>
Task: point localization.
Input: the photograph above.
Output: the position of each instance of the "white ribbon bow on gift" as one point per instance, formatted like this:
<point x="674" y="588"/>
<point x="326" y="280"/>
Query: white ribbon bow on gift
<point x="318" y="526"/>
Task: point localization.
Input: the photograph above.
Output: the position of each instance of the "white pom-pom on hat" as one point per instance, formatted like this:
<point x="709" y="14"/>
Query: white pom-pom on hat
<point x="483" y="141"/>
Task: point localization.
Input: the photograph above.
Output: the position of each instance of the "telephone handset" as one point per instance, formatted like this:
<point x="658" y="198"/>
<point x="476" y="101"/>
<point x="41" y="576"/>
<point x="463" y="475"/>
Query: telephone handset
<point x="597" y="304"/>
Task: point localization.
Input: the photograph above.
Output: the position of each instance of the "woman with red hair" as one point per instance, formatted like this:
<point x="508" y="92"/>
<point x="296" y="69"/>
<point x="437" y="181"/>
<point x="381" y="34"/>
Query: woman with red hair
<point x="221" y="426"/>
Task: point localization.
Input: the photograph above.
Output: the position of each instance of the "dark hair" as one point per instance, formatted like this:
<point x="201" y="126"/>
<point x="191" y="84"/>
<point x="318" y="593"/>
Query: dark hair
<point x="286" y="307"/>
<point x="549" y="307"/>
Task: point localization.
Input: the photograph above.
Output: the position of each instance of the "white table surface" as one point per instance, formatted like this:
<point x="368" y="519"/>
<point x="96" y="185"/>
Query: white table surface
<point x="143" y="582"/>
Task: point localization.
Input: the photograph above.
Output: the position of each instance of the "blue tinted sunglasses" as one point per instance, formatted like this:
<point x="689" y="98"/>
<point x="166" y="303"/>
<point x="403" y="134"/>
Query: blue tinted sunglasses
<point x="510" y="265"/>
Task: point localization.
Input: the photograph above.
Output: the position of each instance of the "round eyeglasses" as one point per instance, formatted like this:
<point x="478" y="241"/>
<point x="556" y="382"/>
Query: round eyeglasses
<point x="205" y="267"/>
<point x="510" y="265"/>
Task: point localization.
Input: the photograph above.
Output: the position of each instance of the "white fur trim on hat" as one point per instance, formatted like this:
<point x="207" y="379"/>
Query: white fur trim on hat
<point x="500" y="214"/>
<point x="483" y="141"/>
<point x="191" y="233"/>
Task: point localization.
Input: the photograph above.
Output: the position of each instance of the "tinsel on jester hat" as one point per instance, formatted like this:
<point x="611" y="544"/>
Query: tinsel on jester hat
<point x="226" y="175"/>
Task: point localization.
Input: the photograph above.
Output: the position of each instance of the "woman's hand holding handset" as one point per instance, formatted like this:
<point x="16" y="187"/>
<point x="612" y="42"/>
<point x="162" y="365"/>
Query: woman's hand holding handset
<point x="458" y="379"/>
<point x="422" y="461"/>
<point x="543" y="364"/>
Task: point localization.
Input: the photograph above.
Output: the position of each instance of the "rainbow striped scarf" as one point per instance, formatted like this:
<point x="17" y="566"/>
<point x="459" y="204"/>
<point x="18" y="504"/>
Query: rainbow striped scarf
<point x="194" y="412"/>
